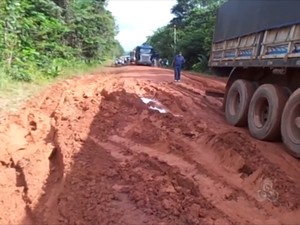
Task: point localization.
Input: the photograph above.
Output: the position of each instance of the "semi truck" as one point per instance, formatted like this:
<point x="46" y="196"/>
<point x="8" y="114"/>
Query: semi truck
<point x="256" y="44"/>
<point x="144" y="54"/>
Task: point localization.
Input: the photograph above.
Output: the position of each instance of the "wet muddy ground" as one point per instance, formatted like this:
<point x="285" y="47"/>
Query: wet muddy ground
<point x="129" y="146"/>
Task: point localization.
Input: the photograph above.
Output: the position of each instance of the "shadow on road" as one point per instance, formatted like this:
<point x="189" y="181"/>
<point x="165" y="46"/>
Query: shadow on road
<point x="82" y="172"/>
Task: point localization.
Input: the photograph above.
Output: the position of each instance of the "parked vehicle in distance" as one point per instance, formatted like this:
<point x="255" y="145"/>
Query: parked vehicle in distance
<point x="132" y="56"/>
<point x="144" y="54"/>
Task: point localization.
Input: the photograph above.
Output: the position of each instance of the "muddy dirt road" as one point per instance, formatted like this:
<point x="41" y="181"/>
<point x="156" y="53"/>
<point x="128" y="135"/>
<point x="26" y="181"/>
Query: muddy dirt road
<point x="128" y="146"/>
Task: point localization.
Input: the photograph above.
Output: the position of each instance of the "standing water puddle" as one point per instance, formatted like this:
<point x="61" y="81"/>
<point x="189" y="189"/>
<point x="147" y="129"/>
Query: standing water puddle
<point x="153" y="104"/>
<point x="156" y="105"/>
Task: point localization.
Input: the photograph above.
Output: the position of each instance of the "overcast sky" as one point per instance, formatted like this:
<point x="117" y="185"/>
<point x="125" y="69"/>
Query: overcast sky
<point x="138" y="19"/>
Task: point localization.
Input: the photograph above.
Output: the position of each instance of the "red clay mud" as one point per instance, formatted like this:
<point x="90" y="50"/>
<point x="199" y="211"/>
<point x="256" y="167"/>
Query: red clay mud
<point x="89" y="151"/>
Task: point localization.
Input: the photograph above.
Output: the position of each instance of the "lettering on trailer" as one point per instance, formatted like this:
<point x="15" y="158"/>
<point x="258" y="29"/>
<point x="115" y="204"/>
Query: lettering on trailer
<point x="296" y="48"/>
<point x="230" y="54"/>
<point x="278" y="50"/>
<point x="245" y="53"/>
<point x="217" y="55"/>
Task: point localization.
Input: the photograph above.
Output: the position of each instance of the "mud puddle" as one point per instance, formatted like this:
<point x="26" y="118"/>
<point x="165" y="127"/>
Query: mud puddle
<point x="154" y="105"/>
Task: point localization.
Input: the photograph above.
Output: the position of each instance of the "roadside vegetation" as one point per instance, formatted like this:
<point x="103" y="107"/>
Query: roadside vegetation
<point x="42" y="39"/>
<point x="194" y="21"/>
<point x="46" y="40"/>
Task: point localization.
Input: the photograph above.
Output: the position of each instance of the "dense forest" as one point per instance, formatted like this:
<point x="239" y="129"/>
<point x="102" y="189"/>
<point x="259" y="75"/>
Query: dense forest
<point x="41" y="37"/>
<point x="194" y="21"/>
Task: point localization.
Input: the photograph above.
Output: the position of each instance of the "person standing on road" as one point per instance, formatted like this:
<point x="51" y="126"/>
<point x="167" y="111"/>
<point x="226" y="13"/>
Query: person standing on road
<point x="167" y="63"/>
<point x="177" y="64"/>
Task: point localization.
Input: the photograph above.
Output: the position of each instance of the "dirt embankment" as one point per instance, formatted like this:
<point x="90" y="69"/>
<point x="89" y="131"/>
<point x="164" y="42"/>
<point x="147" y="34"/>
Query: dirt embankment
<point x="132" y="147"/>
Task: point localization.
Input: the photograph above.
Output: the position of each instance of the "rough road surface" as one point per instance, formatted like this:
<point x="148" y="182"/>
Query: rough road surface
<point x="128" y="146"/>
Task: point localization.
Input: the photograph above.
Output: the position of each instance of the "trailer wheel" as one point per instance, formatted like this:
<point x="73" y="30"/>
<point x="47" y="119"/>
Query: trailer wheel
<point x="265" y="112"/>
<point x="290" y="124"/>
<point x="237" y="102"/>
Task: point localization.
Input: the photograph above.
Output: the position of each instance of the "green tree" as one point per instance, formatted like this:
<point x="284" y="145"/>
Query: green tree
<point x="194" y="20"/>
<point x="46" y="35"/>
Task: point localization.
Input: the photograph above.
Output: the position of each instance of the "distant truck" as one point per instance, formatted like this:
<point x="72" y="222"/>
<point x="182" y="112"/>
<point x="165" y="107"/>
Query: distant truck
<point x="257" y="45"/>
<point x="144" y="54"/>
<point x="132" y="56"/>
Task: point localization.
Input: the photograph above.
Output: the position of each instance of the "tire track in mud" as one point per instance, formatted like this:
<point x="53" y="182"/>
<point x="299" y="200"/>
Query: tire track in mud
<point x="248" y="198"/>
<point x="214" y="187"/>
<point x="233" y="139"/>
<point x="183" y="176"/>
<point x="258" y="166"/>
<point x="204" y="102"/>
<point x="253" y="156"/>
<point x="217" y="192"/>
<point x="208" y="81"/>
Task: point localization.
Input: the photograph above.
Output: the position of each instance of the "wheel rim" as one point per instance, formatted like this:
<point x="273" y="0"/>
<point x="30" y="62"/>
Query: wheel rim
<point x="261" y="112"/>
<point x="236" y="102"/>
<point x="293" y="128"/>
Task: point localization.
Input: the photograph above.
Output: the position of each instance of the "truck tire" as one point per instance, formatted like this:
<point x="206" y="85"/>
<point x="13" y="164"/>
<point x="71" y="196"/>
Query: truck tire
<point x="237" y="102"/>
<point x="290" y="130"/>
<point x="265" y="111"/>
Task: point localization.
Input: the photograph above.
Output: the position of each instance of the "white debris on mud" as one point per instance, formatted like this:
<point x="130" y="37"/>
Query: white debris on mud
<point x="157" y="105"/>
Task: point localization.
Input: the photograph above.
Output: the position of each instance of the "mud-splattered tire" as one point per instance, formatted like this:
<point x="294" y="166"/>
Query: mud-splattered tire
<point x="237" y="102"/>
<point x="265" y="110"/>
<point x="290" y="130"/>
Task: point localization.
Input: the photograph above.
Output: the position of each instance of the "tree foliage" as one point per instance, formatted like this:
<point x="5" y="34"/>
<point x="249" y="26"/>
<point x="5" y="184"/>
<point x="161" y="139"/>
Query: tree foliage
<point x="47" y="35"/>
<point x="194" y="21"/>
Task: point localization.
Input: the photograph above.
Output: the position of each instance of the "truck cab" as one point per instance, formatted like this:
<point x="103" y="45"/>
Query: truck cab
<point x="144" y="54"/>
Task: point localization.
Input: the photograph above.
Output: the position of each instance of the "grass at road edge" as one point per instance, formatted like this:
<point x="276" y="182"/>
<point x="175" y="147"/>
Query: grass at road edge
<point x="13" y="94"/>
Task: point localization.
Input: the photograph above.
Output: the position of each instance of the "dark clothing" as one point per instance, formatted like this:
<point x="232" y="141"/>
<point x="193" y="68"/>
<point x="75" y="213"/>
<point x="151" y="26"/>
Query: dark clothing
<point x="179" y="60"/>
<point x="177" y="72"/>
<point x="178" y="63"/>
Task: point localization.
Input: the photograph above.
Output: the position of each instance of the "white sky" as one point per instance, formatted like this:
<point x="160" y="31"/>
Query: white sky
<point x="138" y="19"/>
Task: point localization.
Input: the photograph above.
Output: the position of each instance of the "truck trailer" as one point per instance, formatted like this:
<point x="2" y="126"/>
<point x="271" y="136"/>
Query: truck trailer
<point x="256" y="44"/>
